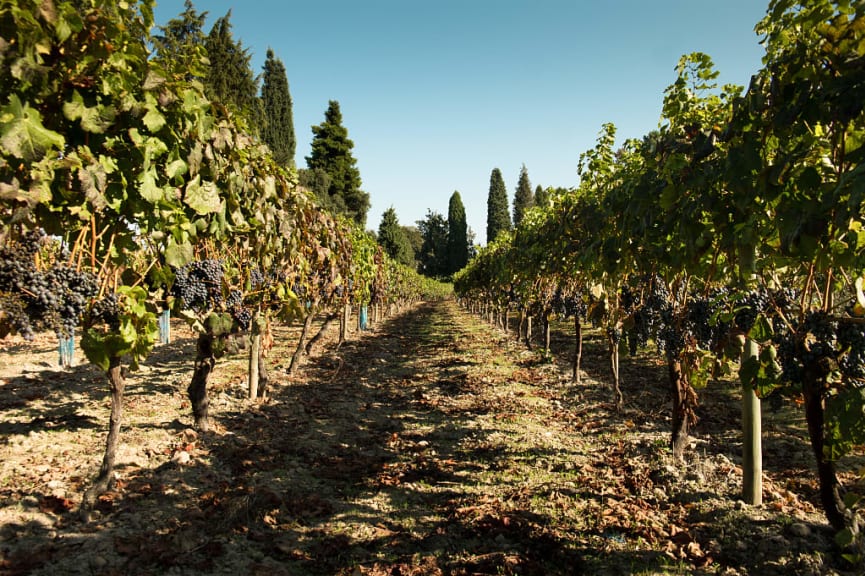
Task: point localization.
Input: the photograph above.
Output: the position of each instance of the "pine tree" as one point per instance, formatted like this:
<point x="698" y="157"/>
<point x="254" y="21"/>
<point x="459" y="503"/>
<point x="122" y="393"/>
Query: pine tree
<point x="180" y="48"/>
<point x="394" y="241"/>
<point x="230" y="80"/>
<point x="498" y="215"/>
<point x="433" y="254"/>
<point x="523" y="197"/>
<point x="278" y="128"/>
<point x="458" y="243"/>
<point x="331" y="152"/>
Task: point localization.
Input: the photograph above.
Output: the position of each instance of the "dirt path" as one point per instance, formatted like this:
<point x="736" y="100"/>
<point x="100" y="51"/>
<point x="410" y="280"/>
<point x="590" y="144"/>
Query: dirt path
<point x="429" y="445"/>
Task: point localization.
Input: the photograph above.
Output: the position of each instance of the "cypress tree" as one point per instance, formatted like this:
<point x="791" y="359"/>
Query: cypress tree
<point x="523" y="197"/>
<point x="278" y="128"/>
<point x="542" y="196"/>
<point x="230" y="80"/>
<point x="498" y="215"/>
<point x="331" y="152"/>
<point x="458" y="243"/>
<point x="393" y="240"/>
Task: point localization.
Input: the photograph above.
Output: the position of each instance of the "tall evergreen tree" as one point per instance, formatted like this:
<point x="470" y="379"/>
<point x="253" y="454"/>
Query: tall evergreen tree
<point x="180" y="46"/>
<point x="331" y="152"/>
<point x="230" y="79"/>
<point x="498" y="215"/>
<point x="278" y="128"/>
<point x="393" y="240"/>
<point x="542" y="196"/>
<point x="523" y="197"/>
<point x="458" y="242"/>
<point x="433" y="255"/>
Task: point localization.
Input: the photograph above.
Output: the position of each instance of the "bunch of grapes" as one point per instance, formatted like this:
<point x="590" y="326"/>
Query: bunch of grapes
<point x="73" y="291"/>
<point x="243" y="317"/>
<point x="199" y="284"/>
<point x="106" y="311"/>
<point x="851" y="338"/>
<point x="41" y="298"/>
<point x="656" y="312"/>
<point x="235" y="299"/>
<point x="628" y="299"/>
<point x="812" y="340"/>
<point x="256" y="278"/>
<point x="753" y="304"/>
<point x="703" y="320"/>
<point x="785" y="300"/>
<point x="819" y="329"/>
<point x="670" y="337"/>
<point x="788" y="356"/>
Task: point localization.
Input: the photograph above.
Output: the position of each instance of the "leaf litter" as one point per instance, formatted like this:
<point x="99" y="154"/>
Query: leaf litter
<point x="430" y="444"/>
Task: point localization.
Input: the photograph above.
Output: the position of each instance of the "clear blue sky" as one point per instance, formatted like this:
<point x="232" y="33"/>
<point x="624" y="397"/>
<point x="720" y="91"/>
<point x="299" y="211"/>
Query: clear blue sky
<point x="437" y="93"/>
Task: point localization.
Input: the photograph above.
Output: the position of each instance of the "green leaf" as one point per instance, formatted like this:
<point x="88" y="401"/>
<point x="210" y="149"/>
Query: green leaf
<point x="844" y="538"/>
<point x="93" y="346"/>
<point x="148" y="188"/>
<point x="219" y="324"/>
<point x="762" y="330"/>
<point x="180" y="254"/>
<point x="203" y="197"/>
<point x="95" y="120"/>
<point x="176" y="169"/>
<point x="22" y="133"/>
<point x="154" y="120"/>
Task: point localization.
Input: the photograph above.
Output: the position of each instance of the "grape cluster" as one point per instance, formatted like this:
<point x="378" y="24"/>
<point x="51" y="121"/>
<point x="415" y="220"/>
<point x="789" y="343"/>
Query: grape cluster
<point x="655" y="314"/>
<point x="235" y="299"/>
<point x="753" y="304"/>
<point x="788" y="356"/>
<point x="570" y="305"/>
<point x="628" y="299"/>
<point x="199" y="284"/>
<point x="819" y="332"/>
<point x="256" y="278"/>
<point x="703" y="321"/>
<point x="106" y="311"/>
<point x="817" y="337"/>
<point x="243" y="317"/>
<point x="73" y="291"/>
<point x="851" y="338"/>
<point x="41" y="298"/>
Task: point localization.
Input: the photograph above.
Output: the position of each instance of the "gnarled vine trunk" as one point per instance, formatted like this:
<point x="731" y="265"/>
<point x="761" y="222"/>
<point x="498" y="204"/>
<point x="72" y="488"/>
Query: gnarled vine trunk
<point x="298" y="353"/>
<point x="546" y="322"/>
<point x="205" y="361"/>
<point x="254" y="377"/>
<point x="578" y="352"/>
<point x="328" y="322"/>
<point x="614" y="370"/>
<point x="103" y="481"/>
<point x="830" y="488"/>
<point x="684" y="402"/>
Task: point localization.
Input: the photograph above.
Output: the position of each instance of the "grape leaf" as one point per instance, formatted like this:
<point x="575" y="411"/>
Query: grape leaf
<point x="203" y="197"/>
<point x="22" y="133"/>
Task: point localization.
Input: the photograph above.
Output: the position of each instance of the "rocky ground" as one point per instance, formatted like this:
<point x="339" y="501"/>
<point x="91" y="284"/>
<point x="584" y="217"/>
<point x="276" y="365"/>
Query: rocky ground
<point x="428" y="445"/>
